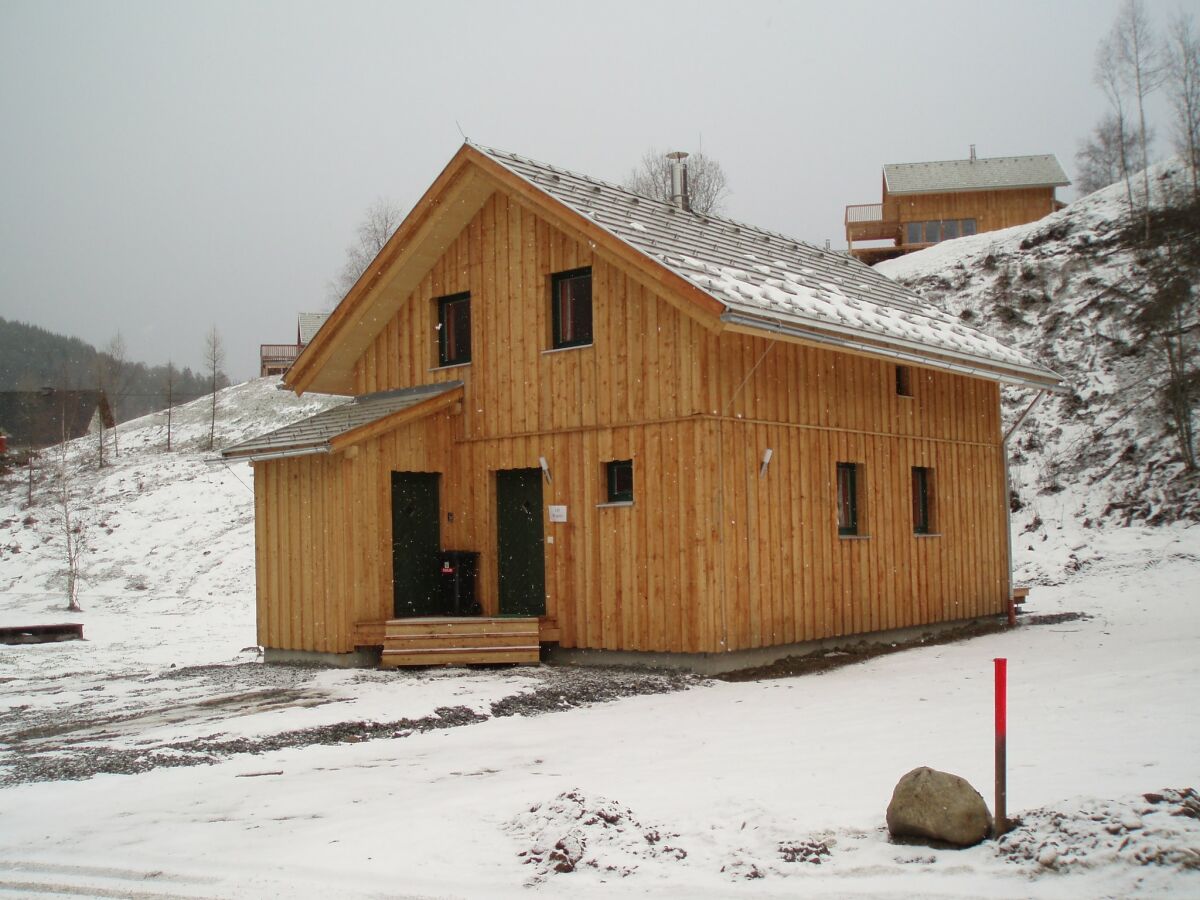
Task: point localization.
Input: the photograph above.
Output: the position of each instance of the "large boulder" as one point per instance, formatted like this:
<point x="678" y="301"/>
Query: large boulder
<point x="936" y="806"/>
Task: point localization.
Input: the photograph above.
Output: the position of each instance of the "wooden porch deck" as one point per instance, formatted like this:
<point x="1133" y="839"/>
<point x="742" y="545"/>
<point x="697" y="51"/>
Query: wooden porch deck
<point x="443" y="641"/>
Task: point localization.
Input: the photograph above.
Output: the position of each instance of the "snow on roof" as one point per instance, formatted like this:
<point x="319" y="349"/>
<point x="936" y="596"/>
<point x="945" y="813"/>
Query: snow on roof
<point x="994" y="173"/>
<point x="313" y="435"/>
<point x="777" y="283"/>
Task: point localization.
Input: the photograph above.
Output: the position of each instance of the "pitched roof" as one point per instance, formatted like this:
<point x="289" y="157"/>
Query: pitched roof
<point x="308" y="324"/>
<point x="317" y="434"/>
<point x="772" y="282"/>
<point x="994" y="173"/>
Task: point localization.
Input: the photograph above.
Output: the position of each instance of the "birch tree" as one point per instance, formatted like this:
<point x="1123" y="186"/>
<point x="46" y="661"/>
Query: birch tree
<point x="1137" y="55"/>
<point x="1183" y="89"/>
<point x="71" y="526"/>
<point x="379" y="223"/>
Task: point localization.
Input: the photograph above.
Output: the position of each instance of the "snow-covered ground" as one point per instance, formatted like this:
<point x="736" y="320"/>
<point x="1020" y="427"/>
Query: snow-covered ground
<point x="421" y="784"/>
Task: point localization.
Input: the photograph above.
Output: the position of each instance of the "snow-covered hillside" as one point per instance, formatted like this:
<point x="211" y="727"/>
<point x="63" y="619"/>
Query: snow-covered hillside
<point x="1065" y="289"/>
<point x="160" y="758"/>
<point x="169" y="532"/>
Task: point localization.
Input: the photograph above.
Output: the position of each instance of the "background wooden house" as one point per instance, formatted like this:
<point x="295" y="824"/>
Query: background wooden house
<point x="646" y="430"/>
<point x="34" y="420"/>
<point x="928" y="202"/>
<point x="275" y="359"/>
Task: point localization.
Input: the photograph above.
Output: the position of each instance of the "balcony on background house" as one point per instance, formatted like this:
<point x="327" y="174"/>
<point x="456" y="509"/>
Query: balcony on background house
<point x="275" y="359"/>
<point x="866" y="222"/>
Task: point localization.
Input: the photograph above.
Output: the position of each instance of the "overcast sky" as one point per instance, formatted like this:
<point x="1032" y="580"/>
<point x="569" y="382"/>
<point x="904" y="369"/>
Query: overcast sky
<point x="169" y="166"/>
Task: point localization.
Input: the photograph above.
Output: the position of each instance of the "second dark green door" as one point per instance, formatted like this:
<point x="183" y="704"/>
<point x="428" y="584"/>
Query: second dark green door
<point x="520" y="542"/>
<point x="416" y="543"/>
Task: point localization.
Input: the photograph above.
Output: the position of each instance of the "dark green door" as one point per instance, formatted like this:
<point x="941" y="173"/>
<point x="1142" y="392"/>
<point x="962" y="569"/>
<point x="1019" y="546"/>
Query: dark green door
<point x="520" y="537"/>
<point x="416" y="543"/>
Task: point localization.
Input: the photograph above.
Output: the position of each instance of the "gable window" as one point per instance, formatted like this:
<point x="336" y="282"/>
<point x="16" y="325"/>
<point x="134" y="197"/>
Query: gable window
<point x="922" y="500"/>
<point x="571" y="308"/>
<point x="903" y="381"/>
<point x="620" y="481"/>
<point x="454" y="330"/>
<point x="847" y="498"/>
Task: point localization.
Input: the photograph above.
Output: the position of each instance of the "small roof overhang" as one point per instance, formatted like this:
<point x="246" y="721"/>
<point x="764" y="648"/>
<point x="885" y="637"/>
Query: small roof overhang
<point x="351" y="423"/>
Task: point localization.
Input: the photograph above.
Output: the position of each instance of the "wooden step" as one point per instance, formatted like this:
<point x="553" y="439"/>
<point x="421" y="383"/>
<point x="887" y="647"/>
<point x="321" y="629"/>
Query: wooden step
<point x="460" y="656"/>
<point x="466" y="641"/>
<point x="435" y="641"/>
<point x="475" y="625"/>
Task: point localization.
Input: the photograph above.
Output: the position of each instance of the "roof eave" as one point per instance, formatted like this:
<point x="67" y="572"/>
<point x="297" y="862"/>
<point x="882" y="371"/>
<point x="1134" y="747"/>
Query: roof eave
<point x="911" y="352"/>
<point x="283" y="452"/>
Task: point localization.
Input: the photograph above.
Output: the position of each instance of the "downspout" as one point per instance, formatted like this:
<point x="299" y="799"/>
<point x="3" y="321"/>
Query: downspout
<point x="1012" y="609"/>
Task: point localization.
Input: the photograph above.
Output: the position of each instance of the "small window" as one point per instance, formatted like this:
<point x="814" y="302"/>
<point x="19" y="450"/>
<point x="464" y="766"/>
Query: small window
<point x="847" y="498"/>
<point x="620" y="481"/>
<point x="968" y="227"/>
<point x="933" y="232"/>
<point x="454" y="330"/>
<point x="922" y="500"/>
<point x="903" y="381"/>
<point x="949" y="229"/>
<point x="572" y="308"/>
<point x="914" y="232"/>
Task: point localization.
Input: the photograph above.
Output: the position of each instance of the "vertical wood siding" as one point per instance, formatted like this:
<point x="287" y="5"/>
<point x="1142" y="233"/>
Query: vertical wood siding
<point x="710" y="557"/>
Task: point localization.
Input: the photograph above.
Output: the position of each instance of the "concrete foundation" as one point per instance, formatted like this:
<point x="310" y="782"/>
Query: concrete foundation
<point x="359" y="659"/>
<point x="721" y="663"/>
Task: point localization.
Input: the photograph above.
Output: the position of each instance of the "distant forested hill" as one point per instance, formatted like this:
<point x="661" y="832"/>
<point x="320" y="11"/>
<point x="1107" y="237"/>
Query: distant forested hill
<point x="33" y="358"/>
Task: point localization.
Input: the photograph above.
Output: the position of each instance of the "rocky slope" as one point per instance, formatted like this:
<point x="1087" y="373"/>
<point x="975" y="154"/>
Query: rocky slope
<point x="1068" y="290"/>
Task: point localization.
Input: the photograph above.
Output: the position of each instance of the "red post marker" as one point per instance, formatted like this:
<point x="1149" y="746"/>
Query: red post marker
<point x="1000" y="824"/>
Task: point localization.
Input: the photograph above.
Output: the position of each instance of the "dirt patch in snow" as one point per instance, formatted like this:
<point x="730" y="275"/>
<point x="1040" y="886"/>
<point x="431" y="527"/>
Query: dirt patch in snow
<point x="1162" y="829"/>
<point x="575" y="832"/>
<point x="76" y="740"/>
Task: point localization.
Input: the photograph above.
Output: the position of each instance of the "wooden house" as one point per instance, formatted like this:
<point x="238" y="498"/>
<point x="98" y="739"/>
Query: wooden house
<point x="34" y="420"/>
<point x="928" y="202"/>
<point x="586" y="420"/>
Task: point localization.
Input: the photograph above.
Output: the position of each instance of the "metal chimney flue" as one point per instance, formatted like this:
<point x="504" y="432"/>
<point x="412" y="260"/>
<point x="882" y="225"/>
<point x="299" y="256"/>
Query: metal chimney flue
<point x="679" y="180"/>
<point x="972" y="153"/>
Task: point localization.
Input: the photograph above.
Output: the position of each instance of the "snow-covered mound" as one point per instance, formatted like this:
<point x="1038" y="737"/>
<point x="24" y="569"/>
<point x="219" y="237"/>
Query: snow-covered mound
<point x="1066" y="289"/>
<point x="167" y="532"/>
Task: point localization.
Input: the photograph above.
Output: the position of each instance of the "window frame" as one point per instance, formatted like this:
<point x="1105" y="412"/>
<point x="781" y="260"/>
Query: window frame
<point x="444" y="305"/>
<point x="612" y="470"/>
<point x="904" y="381"/>
<point x="922" y="500"/>
<point x="849" y="513"/>
<point x="556" y="324"/>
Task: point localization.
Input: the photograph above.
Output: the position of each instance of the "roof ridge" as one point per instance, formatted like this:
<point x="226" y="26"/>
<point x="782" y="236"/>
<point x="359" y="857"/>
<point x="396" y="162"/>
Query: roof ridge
<point x="666" y="204"/>
<point x="977" y="160"/>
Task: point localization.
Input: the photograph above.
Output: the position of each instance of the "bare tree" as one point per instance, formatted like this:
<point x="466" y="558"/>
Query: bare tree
<point x="214" y="358"/>
<point x="1183" y="88"/>
<point x="1106" y="156"/>
<point x="382" y="219"/>
<point x="1108" y="77"/>
<point x="1168" y="322"/>
<point x="1137" y="54"/>
<point x="707" y="186"/>
<point x="169" y="383"/>
<point x="73" y="528"/>
<point x="114" y="376"/>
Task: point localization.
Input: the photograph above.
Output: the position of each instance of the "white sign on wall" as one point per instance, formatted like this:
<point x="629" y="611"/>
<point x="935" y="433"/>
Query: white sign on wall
<point x="558" y="513"/>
